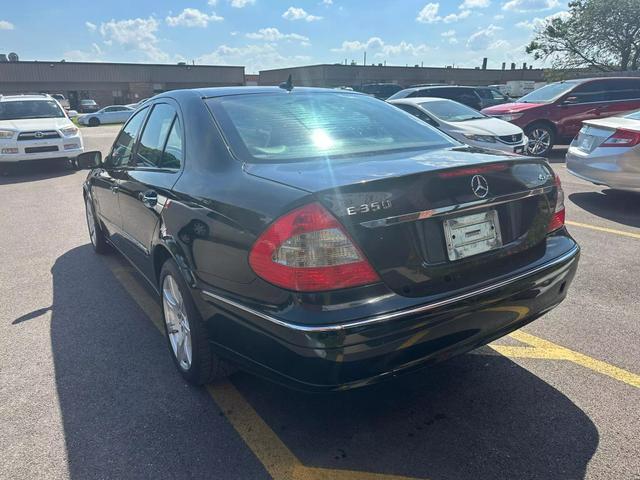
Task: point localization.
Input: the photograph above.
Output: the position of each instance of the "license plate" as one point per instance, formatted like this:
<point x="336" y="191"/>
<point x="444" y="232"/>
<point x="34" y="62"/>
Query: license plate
<point x="472" y="234"/>
<point x="586" y="143"/>
<point x="519" y="149"/>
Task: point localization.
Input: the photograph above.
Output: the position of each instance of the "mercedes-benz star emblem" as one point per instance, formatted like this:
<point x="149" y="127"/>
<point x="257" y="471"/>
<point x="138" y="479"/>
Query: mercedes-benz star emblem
<point x="479" y="186"/>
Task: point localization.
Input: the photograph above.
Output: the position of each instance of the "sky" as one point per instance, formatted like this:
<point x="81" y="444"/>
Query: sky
<point x="264" y="34"/>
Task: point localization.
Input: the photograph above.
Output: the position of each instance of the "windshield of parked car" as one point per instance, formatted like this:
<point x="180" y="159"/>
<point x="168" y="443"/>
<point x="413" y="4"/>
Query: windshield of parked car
<point x="548" y="93"/>
<point x="300" y="126"/>
<point x="449" y="111"/>
<point x="23" y="109"/>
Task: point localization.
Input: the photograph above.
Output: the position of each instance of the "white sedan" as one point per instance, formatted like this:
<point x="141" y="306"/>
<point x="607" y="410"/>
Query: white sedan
<point x="607" y="152"/>
<point x="111" y="114"/>
<point x="465" y="124"/>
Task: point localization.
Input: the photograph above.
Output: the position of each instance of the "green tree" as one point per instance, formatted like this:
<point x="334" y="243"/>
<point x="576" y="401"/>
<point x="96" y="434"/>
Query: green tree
<point x="601" y="34"/>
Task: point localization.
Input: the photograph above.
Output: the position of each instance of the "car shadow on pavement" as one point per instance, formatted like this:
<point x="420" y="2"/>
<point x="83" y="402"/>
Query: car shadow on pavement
<point x="33" y="170"/>
<point x="558" y="154"/>
<point x="128" y="414"/>
<point x="614" y="205"/>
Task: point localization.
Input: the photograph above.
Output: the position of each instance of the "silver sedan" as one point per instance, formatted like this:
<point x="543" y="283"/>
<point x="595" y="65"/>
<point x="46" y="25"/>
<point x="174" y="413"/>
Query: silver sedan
<point x="607" y="152"/>
<point x="111" y="114"/>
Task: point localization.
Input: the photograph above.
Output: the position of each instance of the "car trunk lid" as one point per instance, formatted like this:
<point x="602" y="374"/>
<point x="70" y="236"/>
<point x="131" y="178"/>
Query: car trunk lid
<point x="402" y="210"/>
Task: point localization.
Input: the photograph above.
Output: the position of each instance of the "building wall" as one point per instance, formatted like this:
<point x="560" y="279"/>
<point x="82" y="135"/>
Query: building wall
<point x="109" y="83"/>
<point x="355" y="75"/>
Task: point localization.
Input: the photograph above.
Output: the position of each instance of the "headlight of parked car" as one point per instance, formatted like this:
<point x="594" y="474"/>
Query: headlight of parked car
<point x="480" y="138"/>
<point x="6" y="133"/>
<point x="68" y="131"/>
<point x="510" y="117"/>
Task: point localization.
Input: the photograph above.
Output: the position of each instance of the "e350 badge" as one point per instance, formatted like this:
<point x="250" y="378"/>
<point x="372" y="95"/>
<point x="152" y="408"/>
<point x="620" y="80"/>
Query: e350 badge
<point x="369" y="207"/>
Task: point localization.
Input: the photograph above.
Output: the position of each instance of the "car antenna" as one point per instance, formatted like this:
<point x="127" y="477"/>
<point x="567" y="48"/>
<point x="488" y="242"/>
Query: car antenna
<point x="288" y="85"/>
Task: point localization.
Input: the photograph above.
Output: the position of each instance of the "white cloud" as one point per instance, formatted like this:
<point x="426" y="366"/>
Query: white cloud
<point x="380" y="49"/>
<point x="327" y="2"/>
<point x="135" y="34"/>
<point x="254" y="57"/>
<point x="498" y="17"/>
<point x="90" y="26"/>
<point x="212" y="3"/>
<point x="429" y="13"/>
<point x="467" y="4"/>
<point x="485" y="39"/>
<point x="295" y="13"/>
<point x="448" y="33"/>
<point x="530" y="5"/>
<point x="538" y="23"/>
<point x="91" y="55"/>
<point x="272" y="34"/>
<point x="453" y="17"/>
<point x="4" y="25"/>
<point x="241" y="3"/>
<point x="192" y="17"/>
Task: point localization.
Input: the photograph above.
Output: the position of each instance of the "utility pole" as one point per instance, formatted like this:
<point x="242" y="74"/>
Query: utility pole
<point x="365" y="58"/>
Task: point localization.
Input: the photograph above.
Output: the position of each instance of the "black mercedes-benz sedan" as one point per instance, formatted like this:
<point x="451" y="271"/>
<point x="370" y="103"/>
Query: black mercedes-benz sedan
<point x="322" y="238"/>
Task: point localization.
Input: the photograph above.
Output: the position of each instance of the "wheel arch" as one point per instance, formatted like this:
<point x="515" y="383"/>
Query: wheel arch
<point x="545" y="122"/>
<point x="166" y="250"/>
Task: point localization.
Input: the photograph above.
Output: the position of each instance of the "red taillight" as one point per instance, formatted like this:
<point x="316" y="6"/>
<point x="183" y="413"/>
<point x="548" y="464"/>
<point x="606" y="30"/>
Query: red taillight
<point x="557" y="219"/>
<point x="308" y="250"/>
<point x="622" y="138"/>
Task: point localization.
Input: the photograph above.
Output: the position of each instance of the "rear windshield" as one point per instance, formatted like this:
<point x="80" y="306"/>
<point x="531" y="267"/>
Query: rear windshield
<point x="301" y="126"/>
<point x="451" y="111"/>
<point x="634" y="115"/>
<point x="548" y="93"/>
<point x="18" y="110"/>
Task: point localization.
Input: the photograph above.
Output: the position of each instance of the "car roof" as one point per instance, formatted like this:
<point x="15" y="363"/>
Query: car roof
<point x="214" y="92"/>
<point x="27" y="97"/>
<point x="419" y="100"/>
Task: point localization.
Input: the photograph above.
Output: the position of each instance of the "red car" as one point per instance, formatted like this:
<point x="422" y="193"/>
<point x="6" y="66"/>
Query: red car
<point x="554" y="113"/>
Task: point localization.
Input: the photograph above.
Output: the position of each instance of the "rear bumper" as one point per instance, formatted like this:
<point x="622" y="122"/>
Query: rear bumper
<point x="371" y="349"/>
<point x="617" y="168"/>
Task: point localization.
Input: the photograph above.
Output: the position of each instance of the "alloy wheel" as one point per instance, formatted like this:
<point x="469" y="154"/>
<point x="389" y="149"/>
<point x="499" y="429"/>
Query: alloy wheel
<point x="539" y="141"/>
<point x="177" y="321"/>
<point x="91" y="223"/>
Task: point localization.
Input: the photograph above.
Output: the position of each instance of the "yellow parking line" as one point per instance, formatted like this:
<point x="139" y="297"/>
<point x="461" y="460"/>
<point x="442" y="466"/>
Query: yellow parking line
<point x="279" y="461"/>
<point x="265" y="444"/>
<point x="603" y="229"/>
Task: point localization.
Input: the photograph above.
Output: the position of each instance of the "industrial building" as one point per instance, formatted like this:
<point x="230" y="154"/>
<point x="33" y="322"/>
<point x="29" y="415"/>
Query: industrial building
<point x="111" y="83"/>
<point x="337" y="75"/>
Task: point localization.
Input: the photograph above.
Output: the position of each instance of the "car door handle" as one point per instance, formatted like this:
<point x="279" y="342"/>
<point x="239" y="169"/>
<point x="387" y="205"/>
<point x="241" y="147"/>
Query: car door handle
<point x="149" y="198"/>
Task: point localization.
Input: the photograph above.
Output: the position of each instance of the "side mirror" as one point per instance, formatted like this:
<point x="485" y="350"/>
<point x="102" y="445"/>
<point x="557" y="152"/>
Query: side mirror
<point x="89" y="160"/>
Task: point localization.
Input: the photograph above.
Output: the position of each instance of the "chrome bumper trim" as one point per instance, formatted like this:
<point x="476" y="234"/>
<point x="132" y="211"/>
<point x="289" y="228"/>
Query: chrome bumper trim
<point x="424" y="214"/>
<point x="400" y="313"/>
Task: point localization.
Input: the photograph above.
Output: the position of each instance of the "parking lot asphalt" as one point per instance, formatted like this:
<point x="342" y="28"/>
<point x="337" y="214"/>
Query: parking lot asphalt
<point x="88" y="389"/>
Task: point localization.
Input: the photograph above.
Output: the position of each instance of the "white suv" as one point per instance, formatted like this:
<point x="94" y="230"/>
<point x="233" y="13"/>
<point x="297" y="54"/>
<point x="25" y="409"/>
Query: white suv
<point x="34" y="127"/>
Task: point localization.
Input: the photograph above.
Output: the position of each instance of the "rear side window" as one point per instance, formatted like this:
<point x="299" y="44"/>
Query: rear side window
<point x="154" y="136"/>
<point x="173" y="152"/>
<point x="299" y="126"/>
<point x="416" y="112"/>
<point x="123" y="147"/>
<point x="623" y="89"/>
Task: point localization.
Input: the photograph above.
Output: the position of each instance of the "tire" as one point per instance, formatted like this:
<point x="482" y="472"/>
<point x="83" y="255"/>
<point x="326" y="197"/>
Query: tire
<point x="94" y="122"/>
<point x="186" y="334"/>
<point x="96" y="235"/>
<point x="541" y="139"/>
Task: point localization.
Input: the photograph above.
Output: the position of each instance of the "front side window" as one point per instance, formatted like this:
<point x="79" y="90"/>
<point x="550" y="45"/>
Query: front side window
<point x="589" y="93"/>
<point x="155" y="134"/>
<point x="299" y="126"/>
<point x="24" y="109"/>
<point x="123" y="147"/>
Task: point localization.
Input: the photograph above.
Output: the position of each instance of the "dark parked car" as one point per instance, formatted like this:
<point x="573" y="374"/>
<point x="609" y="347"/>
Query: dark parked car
<point x="379" y="90"/>
<point x="322" y="238"/>
<point x="554" y="113"/>
<point x="88" y="105"/>
<point x="474" y="97"/>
